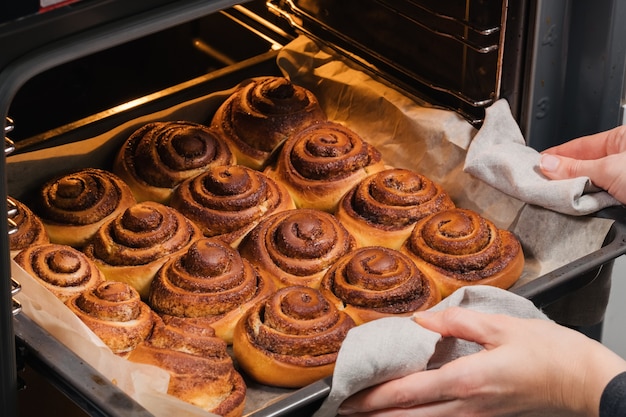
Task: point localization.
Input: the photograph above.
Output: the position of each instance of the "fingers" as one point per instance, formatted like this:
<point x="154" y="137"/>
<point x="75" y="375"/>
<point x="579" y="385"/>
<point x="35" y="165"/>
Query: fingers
<point x="594" y="146"/>
<point x="606" y="173"/>
<point x="484" y="329"/>
<point x="411" y="391"/>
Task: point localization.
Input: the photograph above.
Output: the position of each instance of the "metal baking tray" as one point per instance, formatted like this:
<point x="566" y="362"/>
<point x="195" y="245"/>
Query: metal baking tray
<point x="94" y="393"/>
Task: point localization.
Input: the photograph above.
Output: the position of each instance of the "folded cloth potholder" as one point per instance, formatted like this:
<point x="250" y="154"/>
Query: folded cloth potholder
<point x="390" y="348"/>
<point x="499" y="156"/>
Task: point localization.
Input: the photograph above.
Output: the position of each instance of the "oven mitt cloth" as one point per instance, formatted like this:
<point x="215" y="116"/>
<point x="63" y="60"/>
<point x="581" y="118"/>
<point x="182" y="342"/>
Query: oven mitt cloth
<point x="499" y="156"/>
<point x="390" y="348"/>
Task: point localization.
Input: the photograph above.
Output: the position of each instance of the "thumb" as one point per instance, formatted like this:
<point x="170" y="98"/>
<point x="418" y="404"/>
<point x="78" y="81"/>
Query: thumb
<point x="606" y="173"/>
<point x="560" y="167"/>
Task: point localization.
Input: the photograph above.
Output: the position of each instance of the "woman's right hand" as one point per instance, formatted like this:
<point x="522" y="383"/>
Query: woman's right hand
<point x="601" y="157"/>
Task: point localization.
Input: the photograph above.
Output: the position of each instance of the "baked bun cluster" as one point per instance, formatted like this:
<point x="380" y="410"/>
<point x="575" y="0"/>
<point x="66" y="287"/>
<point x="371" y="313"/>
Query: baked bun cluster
<point x="382" y="209"/>
<point x="133" y="246"/>
<point x="261" y="114"/>
<point x="158" y="156"/>
<point x="292" y="338"/>
<point x="296" y="247"/>
<point x="210" y="282"/>
<point x="273" y="229"/>
<point x="116" y="314"/>
<point x="201" y="371"/>
<point x="73" y="206"/>
<point x="372" y="282"/>
<point x="319" y="164"/>
<point x="459" y="247"/>
<point x="228" y="201"/>
<point x="28" y="227"/>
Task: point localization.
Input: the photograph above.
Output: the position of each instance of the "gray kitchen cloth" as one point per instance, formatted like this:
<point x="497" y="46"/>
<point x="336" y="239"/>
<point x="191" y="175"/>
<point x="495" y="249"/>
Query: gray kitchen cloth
<point x="499" y="156"/>
<point x="390" y="348"/>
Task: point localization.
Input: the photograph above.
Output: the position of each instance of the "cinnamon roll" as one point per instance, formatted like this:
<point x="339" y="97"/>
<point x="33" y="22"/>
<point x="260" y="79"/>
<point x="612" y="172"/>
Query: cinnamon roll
<point x="133" y="246"/>
<point x="73" y="206"/>
<point x="374" y="282"/>
<point x="29" y="229"/>
<point x="319" y="164"/>
<point x="160" y="155"/>
<point x="261" y="114"/>
<point x="228" y="201"/>
<point x="116" y="314"/>
<point x="296" y="247"/>
<point x="459" y="247"/>
<point x="291" y="339"/>
<point x="383" y="208"/>
<point x="210" y="282"/>
<point x="201" y="371"/>
<point x="62" y="269"/>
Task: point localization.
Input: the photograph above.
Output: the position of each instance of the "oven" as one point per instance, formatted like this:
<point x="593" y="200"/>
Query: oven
<point x="71" y="70"/>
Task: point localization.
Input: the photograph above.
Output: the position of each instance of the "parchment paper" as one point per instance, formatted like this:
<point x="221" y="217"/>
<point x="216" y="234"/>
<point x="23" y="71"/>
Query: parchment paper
<point x="408" y="134"/>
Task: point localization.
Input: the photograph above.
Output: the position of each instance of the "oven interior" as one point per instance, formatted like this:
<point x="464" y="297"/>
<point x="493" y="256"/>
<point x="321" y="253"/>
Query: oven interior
<point x="447" y="54"/>
<point x="459" y="55"/>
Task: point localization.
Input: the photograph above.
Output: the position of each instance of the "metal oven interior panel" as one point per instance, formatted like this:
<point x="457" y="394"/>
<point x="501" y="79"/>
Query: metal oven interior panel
<point x="209" y="66"/>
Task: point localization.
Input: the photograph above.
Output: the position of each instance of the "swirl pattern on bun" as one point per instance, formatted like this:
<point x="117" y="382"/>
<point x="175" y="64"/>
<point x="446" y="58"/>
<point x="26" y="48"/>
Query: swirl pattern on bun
<point x="374" y="282"/>
<point x="73" y="206"/>
<point x="261" y="114"/>
<point x="210" y="282"/>
<point x="62" y="269"/>
<point x="160" y="155"/>
<point x="228" y="201"/>
<point x="133" y="246"/>
<point x="296" y="247"/>
<point x="384" y="207"/>
<point x="291" y="339"/>
<point x="319" y="164"/>
<point x="459" y="247"/>
<point x="116" y="314"/>
<point x="30" y="230"/>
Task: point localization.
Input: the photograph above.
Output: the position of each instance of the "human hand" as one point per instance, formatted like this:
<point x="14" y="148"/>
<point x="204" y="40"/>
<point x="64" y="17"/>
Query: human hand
<point x="601" y="157"/>
<point x="528" y="367"/>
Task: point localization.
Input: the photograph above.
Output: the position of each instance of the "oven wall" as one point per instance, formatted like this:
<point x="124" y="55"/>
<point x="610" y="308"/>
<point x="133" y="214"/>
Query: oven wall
<point x="577" y="71"/>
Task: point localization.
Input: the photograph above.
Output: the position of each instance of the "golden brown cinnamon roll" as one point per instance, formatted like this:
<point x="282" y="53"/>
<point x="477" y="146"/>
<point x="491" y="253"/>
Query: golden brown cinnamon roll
<point x="459" y="247"/>
<point x="73" y="206"/>
<point x="201" y="371"/>
<point x="228" y="201"/>
<point x="116" y="314"/>
<point x="209" y="282"/>
<point x="319" y="164"/>
<point x="261" y="114"/>
<point x="383" y="208"/>
<point x="62" y="269"/>
<point x="374" y="282"/>
<point x="30" y="230"/>
<point x="291" y="339"/>
<point x="133" y="246"/>
<point x="160" y="155"/>
<point x="296" y="247"/>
